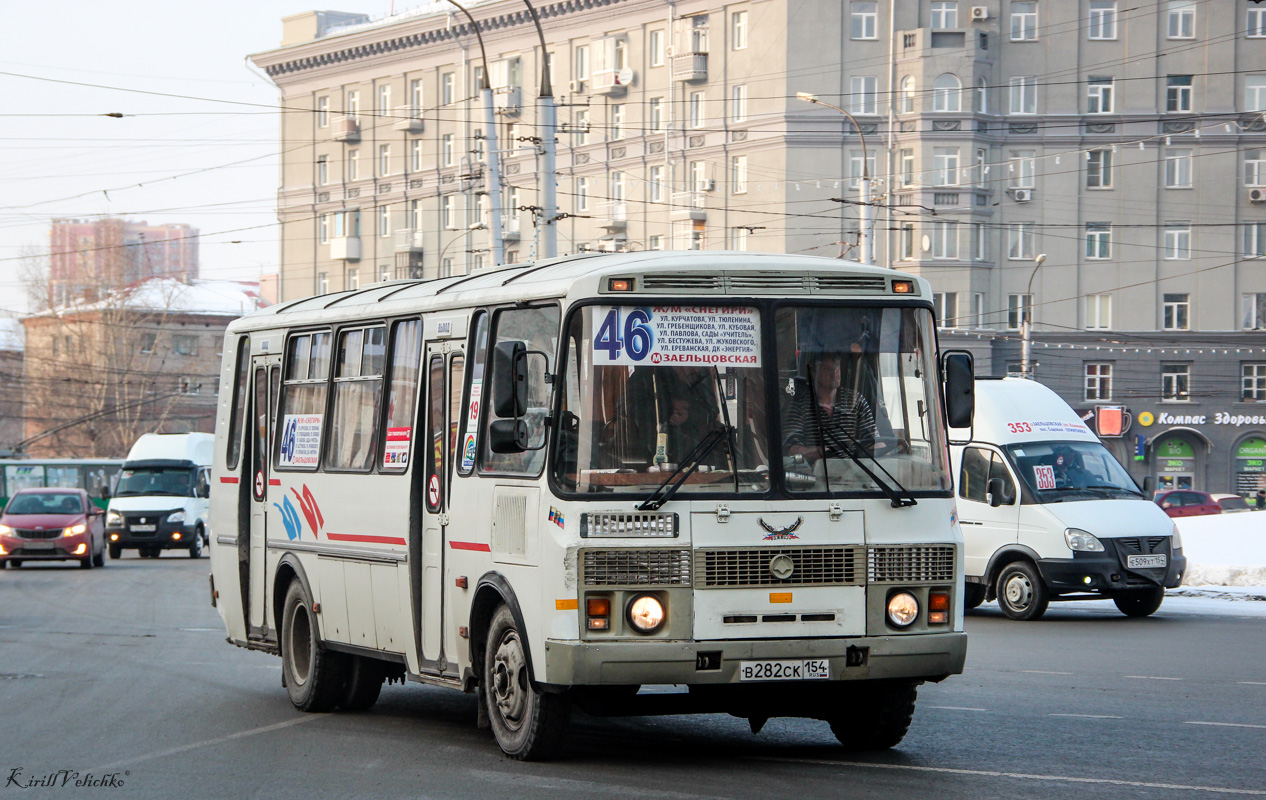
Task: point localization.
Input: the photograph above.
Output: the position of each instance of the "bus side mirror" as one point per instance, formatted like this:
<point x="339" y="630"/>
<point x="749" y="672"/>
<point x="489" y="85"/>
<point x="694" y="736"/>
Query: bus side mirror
<point x="509" y="379"/>
<point x="996" y="487"/>
<point x="1149" y="485"/>
<point x="960" y="388"/>
<point x="509" y="436"/>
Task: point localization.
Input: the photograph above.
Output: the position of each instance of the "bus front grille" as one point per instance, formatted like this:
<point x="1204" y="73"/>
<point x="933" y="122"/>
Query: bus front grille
<point x="810" y="566"/>
<point x="911" y="564"/>
<point x="636" y="567"/>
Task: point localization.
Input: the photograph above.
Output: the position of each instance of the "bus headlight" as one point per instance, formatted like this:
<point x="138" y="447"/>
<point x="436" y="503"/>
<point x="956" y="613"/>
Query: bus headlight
<point x="1080" y="541"/>
<point x="75" y="530"/>
<point x="646" y="614"/>
<point x="179" y="516"/>
<point x="114" y="519"/>
<point x="1176" y="542"/>
<point x="903" y="609"/>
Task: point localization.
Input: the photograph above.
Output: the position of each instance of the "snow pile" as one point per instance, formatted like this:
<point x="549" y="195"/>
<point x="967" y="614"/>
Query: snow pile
<point x="1225" y="549"/>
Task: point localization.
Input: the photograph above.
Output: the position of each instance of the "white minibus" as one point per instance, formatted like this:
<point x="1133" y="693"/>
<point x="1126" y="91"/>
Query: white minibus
<point x="555" y="483"/>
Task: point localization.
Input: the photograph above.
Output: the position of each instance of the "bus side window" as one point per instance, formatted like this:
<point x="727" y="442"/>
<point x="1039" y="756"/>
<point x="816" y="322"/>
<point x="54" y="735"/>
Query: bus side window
<point x="435" y="434"/>
<point x="402" y="393"/>
<point x="468" y="429"/>
<point x="302" y="412"/>
<point x="998" y="469"/>
<point x="357" y="392"/>
<point x="456" y="371"/>
<point x="973" y="477"/>
<point x="538" y="328"/>
<point x="234" y="453"/>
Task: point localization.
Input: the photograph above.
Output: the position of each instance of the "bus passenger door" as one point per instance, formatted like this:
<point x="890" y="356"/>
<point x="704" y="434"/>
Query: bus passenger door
<point x="445" y="364"/>
<point x="266" y="377"/>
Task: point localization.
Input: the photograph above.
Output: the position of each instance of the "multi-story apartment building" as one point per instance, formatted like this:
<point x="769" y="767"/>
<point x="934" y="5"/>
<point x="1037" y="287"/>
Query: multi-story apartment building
<point x="1123" y="141"/>
<point x="88" y="258"/>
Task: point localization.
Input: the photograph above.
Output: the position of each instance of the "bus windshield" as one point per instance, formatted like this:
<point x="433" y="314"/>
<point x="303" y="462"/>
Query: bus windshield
<point x="1058" y="471"/>
<point x="175" y="481"/>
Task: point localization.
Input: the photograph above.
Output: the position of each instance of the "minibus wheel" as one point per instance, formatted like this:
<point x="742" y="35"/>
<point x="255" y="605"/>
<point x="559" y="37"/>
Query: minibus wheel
<point x="1021" y="592"/>
<point x="973" y="595"/>
<point x="527" y="722"/>
<point x="314" y="676"/>
<point x="116" y="551"/>
<point x="878" y="717"/>
<point x="1141" y="603"/>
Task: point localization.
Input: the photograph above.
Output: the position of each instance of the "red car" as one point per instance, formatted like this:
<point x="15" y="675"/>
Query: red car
<point x="52" y="525"/>
<point x="1187" y="503"/>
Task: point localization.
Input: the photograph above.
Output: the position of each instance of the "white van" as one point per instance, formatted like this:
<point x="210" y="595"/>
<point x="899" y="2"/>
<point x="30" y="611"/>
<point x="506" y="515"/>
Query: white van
<point x="161" y="501"/>
<point x="1048" y="514"/>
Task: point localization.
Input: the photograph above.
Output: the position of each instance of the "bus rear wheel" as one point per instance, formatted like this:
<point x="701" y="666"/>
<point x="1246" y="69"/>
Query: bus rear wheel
<point x="314" y="676"/>
<point x="1142" y="603"/>
<point x="528" y="723"/>
<point x="363" y="684"/>
<point x="878" y="717"/>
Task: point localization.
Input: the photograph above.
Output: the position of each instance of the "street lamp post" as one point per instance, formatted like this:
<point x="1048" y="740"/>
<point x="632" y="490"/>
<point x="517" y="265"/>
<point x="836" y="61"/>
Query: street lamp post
<point x="864" y="209"/>
<point x="476" y="226"/>
<point x="1026" y="320"/>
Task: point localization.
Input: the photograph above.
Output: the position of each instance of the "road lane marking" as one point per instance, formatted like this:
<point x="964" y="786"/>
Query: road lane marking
<point x="983" y="773"/>
<point x="1152" y="678"/>
<point x="1226" y="724"/>
<point x="171" y="751"/>
<point x="1087" y="716"/>
<point x="957" y="708"/>
<point x="1252" y="683"/>
<point x="1044" y="672"/>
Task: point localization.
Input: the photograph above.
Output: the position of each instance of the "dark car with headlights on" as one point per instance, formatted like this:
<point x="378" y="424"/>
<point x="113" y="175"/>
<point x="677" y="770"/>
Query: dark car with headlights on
<point x="52" y="525"/>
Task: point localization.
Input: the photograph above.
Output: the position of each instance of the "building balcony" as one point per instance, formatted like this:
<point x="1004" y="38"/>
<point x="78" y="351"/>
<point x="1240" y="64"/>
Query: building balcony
<point x="346" y="129"/>
<point x="408" y="241"/>
<point x="689" y="205"/>
<point x="611" y="82"/>
<point x="510" y="228"/>
<point x="345" y="248"/>
<point x="508" y="100"/>
<point x="614" y="215"/>
<point x="690" y="67"/>
<point x="408" y="119"/>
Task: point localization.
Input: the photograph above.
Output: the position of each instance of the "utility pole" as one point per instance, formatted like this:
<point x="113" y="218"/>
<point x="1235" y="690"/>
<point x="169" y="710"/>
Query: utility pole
<point x="1026" y="321"/>
<point x="865" y="208"/>
<point x="547" y="122"/>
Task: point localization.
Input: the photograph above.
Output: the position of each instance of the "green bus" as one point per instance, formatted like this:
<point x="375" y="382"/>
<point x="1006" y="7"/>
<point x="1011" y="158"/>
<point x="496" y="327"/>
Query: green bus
<point x="97" y="475"/>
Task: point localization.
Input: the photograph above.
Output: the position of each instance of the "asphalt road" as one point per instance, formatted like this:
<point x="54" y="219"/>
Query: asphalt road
<point x="124" y="672"/>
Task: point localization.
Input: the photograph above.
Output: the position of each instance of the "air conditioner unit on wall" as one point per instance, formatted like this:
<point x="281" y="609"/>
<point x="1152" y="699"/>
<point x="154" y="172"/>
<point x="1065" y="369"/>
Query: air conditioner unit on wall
<point x="1257" y="195"/>
<point x="576" y="87"/>
<point x="1022" y="195"/>
<point x="979" y="13"/>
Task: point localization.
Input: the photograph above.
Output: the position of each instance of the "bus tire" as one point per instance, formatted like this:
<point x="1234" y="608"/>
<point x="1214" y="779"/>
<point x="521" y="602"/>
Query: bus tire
<point x="195" y="547"/>
<point x="363" y="685"/>
<point x="314" y="676"/>
<point x="1141" y="603"/>
<point x="528" y="723"/>
<point x="1021" y="592"/>
<point x="973" y="595"/>
<point x="116" y="551"/>
<point x="878" y="717"/>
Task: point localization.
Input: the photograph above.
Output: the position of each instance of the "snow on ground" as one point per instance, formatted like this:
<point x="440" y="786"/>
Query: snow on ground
<point x="1227" y="551"/>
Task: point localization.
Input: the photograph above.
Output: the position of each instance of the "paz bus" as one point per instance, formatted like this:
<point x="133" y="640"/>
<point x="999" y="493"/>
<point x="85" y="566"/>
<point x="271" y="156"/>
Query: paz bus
<point x="553" y="484"/>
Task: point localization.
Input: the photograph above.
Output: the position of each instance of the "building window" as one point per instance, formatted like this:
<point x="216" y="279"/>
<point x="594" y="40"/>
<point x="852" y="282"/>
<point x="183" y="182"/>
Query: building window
<point x="1020" y="240"/>
<point x="656" y="184"/>
<point x="352" y="109"/>
<point x="978" y="309"/>
<point x="580" y="127"/>
<point x="738" y="239"/>
<point x="945" y="240"/>
<point x="148" y="340"/>
<point x="446" y="267"/>
<point x="1022" y="166"/>
<point x="582" y="194"/>
<point x="1023" y="95"/>
<point x="947" y="93"/>
<point x="1098" y="240"/>
<point x="906" y="245"/>
<point x="1177" y="240"/>
<point x="1019" y="310"/>
<point x="979" y="242"/>
<point x="448" y="88"/>
<point x="384" y="100"/>
<point x="1175" y="311"/>
<point x="1099" y="95"/>
<point x="1254" y="306"/>
<point x="738" y="30"/>
<point x="944" y="15"/>
<point x="738" y="175"/>
<point x="448" y="212"/>
<point x="323" y="283"/>
<point x="617" y="121"/>
<point x="1256" y="25"/>
<point x="415" y="155"/>
<point x="980" y="166"/>
<point x="448" y="150"/>
<point x="1178" y="169"/>
<point x="580" y="63"/>
<point x="655" y="114"/>
<point x="1098" y="382"/>
<point x="353" y="164"/>
<point x="182" y="344"/>
<point x="1098" y="311"/>
<point x="1024" y="21"/>
<point x="1182" y="19"/>
<point x="738" y="102"/>
<point x="323" y="170"/>
<point x="655" y="242"/>
<point x="1103" y="19"/>
<point x="907" y="94"/>
<point x="323" y="112"/>
<point x="323" y="228"/>
<point x="415" y="215"/>
<point x="982" y="95"/>
<point x="1099" y="169"/>
<point x="384" y="220"/>
<point x="945" y="166"/>
<point x="864" y="19"/>
<point x="696" y="109"/>
<point x="384" y="160"/>
<point x="906" y="167"/>
<point x="1178" y="93"/>
<point x="859" y="168"/>
<point x="1255" y="239"/>
<point x="415" y="97"/>
<point x="1176" y="382"/>
<point x="863" y="89"/>
<point x="657" y="48"/>
<point x="1253" y="383"/>
<point x="1255" y="93"/>
<point x="353" y="278"/>
<point x="946" y="305"/>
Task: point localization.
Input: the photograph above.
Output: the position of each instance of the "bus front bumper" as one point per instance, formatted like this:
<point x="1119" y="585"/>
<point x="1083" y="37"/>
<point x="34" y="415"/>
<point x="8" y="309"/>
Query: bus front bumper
<point x="924" y="657"/>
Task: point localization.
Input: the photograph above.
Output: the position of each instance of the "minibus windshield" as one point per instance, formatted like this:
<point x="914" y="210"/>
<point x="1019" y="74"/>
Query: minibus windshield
<point x="1059" y="471"/>
<point x="174" y="481"/>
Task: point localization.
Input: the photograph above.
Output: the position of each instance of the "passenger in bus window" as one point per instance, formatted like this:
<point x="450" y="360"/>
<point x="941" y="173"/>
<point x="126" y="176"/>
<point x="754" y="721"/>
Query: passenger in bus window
<point x="824" y="418"/>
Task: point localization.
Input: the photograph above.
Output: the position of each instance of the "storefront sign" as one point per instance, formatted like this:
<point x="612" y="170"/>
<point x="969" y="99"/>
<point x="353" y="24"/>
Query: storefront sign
<point x="1219" y="418"/>
<point x="1250" y="456"/>
<point x="1111" y="421"/>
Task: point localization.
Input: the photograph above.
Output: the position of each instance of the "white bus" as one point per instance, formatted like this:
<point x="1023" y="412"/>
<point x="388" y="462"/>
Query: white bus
<point x="556" y="483"/>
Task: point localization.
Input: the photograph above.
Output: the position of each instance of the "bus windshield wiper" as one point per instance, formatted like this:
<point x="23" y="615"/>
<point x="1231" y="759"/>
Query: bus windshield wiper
<point x="663" y="493"/>
<point x="899" y="497"/>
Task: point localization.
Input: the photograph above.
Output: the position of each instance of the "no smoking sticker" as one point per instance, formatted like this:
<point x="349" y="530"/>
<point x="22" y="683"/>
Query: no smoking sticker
<point x="259" y="483"/>
<point x="433" y="491"/>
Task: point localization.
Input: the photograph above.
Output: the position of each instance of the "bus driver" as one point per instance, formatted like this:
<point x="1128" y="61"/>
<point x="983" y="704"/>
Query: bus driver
<point x="841" y="416"/>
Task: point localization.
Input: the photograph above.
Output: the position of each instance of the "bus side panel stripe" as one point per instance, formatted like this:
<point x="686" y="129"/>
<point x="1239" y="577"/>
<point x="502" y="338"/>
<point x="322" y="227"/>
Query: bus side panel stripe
<point x="227" y="479"/>
<point x="480" y="546"/>
<point x="356" y="537"/>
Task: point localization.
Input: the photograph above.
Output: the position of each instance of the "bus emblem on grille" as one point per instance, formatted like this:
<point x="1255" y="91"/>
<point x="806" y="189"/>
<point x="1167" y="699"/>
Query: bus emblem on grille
<point x="781" y="566"/>
<point x="785" y="532"/>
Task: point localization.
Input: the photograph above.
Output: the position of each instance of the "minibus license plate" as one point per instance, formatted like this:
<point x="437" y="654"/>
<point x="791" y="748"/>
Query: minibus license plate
<point x="785" y="670"/>
<point x="1143" y="562"/>
<point x="143" y="528"/>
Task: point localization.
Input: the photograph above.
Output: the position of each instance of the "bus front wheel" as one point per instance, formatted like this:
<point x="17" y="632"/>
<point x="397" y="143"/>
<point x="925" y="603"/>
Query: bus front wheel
<point x="878" y="717"/>
<point x="527" y="722"/>
<point x="314" y="676"/>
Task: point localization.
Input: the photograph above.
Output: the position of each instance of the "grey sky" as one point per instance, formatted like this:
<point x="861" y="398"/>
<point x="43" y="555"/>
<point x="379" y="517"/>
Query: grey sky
<point x="80" y="165"/>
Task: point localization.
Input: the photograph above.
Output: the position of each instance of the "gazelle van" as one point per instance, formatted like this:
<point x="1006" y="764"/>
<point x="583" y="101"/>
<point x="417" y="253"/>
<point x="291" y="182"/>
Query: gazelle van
<point x="1048" y="514"/>
<point x="162" y="500"/>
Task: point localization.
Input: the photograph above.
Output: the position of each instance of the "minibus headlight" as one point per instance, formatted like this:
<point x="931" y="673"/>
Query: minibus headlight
<point x="1177" y="540"/>
<point x="903" y="609"/>
<point x="179" y="516"/>
<point x="1080" y="541"/>
<point x="646" y="614"/>
<point x="114" y="518"/>
<point x="75" y="530"/>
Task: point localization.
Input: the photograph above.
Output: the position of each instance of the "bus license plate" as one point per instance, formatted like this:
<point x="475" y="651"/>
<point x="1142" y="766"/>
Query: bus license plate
<point x="785" y="670"/>
<point x="1143" y="562"/>
<point x="144" y="528"/>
